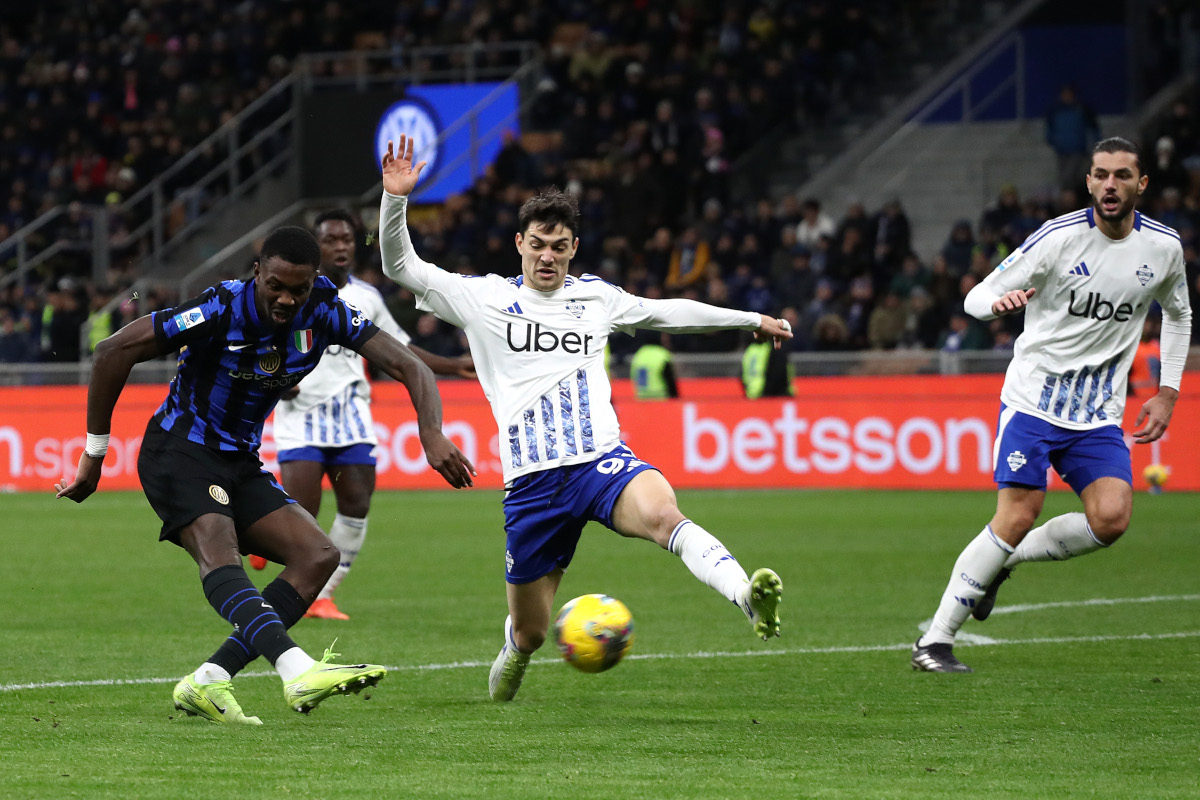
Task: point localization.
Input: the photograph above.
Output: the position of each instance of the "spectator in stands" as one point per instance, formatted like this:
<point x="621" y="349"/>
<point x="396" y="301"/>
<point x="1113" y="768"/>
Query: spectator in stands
<point x="689" y="261"/>
<point x="912" y="275"/>
<point x="961" y="335"/>
<point x="798" y="285"/>
<point x="1183" y="129"/>
<point x="885" y="327"/>
<point x="830" y="333"/>
<point x="850" y="259"/>
<point x="814" y="224"/>
<point x="893" y="235"/>
<point x="1002" y="215"/>
<point x="1071" y="130"/>
<point x="957" y="250"/>
<point x="1166" y="171"/>
<point x="15" y="345"/>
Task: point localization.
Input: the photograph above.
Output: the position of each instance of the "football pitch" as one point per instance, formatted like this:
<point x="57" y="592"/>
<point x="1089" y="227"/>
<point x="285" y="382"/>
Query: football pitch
<point x="1087" y="679"/>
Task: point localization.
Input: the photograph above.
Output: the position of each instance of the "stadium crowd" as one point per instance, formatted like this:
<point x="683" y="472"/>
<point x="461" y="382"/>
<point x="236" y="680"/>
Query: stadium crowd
<point x="641" y="112"/>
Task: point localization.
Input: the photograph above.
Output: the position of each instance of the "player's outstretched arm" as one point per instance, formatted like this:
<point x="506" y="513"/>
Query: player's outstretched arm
<point x="113" y="360"/>
<point x="1156" y="414"/>
<point x="385" y="352"/>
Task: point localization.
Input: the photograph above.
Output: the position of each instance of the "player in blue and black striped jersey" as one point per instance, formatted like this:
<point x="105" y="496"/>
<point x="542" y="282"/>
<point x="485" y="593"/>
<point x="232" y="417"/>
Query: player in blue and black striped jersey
<point x="242" y="344"/>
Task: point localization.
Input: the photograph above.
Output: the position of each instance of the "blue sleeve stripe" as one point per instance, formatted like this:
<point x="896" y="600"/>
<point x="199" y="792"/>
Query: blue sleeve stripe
<point x="1050" y="227"/>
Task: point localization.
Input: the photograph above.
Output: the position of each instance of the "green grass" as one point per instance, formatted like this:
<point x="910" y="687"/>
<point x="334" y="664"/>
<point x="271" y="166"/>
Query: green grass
<point x="700" y="710"/>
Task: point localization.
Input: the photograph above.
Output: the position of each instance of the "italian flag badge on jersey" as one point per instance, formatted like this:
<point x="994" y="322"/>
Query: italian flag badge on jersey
<point x="304" y="340"/>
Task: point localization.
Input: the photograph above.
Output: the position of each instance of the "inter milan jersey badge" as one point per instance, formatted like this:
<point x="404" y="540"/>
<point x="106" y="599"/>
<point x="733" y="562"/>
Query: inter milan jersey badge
<point x="269" y="362"/>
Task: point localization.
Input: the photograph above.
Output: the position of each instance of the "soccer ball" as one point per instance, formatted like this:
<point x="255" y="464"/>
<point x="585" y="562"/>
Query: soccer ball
<point x="1155" y="476"/>
<point x="593" y="632"/>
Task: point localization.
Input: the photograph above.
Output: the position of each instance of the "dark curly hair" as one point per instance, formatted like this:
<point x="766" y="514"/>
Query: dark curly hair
<point x="549" y="208"/>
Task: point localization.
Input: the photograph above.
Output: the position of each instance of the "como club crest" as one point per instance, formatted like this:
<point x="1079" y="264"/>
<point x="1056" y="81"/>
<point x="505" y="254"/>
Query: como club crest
<point x="416" y="119"/>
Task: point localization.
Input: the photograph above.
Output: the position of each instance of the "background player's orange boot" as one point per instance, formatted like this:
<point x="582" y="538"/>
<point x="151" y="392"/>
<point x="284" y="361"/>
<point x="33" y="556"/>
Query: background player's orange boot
<point x="258" y="562"/>
<point x="324" y="608"/>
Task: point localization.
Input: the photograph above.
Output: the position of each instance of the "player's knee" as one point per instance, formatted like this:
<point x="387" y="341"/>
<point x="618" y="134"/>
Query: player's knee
<point x="325" y="560"/>
<point x="1109" y="521"/>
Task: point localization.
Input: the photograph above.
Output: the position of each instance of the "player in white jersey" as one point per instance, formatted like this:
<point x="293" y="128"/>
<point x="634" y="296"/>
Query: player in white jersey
<point x="324" y="426"/>
<point x="538" y="343"/>
<point x="1085" y="282"/>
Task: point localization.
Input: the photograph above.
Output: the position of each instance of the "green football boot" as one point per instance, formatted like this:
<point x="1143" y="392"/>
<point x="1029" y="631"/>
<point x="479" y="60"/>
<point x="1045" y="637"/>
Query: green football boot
<point x="323" y="679"/>
<point x="213" y="701"/>
<point x="763" y="594"/>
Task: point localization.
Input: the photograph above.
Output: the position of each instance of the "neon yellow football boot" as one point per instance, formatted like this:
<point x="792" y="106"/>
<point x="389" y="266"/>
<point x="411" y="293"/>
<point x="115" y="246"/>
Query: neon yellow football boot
<point x="762" y="598"/>
<point x="323" y="679"/>
<point x="212" y="701"/>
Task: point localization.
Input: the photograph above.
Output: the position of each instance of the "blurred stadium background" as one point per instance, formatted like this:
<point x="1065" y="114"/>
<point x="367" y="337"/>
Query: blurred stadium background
<point x="853" y="166"/>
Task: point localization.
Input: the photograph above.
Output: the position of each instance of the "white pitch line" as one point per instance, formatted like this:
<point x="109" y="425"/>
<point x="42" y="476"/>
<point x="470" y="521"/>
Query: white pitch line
<point x="967" y="637"/>
<point x="1099" y="601"/>
<point x="876" y="648"/>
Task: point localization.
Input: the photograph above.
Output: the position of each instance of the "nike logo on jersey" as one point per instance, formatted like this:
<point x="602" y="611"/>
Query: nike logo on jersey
<point x="233" y="348"/>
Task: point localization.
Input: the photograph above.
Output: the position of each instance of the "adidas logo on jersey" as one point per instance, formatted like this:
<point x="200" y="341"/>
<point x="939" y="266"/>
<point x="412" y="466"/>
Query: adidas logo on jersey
<point x="1082" y="269"/>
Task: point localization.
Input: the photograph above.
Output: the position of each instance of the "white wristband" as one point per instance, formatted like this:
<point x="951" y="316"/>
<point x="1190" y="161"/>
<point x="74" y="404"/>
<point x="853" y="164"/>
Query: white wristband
<point x="97" y="445"/>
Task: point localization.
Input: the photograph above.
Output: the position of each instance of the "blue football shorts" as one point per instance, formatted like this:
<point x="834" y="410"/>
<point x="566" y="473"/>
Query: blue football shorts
<point x="544" y="512"/>
<point x="361" y="453"/>
<point x="1027" y="445"/>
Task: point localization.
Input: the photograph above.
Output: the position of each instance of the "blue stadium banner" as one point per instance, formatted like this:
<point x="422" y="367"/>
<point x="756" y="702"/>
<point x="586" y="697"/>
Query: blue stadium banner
<point x="458" y="128"/>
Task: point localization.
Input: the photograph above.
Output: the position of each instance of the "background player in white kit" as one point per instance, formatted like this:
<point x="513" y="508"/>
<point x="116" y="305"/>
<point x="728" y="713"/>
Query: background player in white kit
<point x="538" y="343"/>
<point x="324" y="426"/>
<point x="1086" y="281"/>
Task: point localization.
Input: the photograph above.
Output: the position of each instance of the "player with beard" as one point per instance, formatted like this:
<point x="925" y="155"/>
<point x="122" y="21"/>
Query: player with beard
<point x="323" y="426"/>
<point x="242" y="344"/>
<point x="1085" y="281"/>
<point x="538" y="342"/>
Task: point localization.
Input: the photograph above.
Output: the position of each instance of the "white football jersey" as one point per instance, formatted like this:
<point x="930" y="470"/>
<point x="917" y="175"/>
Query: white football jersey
<point x="540" y="355"/>
<point x="1071" y="363"/>
<point x="332" y="408"/>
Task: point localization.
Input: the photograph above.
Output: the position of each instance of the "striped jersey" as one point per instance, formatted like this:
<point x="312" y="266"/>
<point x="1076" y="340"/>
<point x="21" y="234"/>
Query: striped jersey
<point x="1071" y="363"/>
<point x="331" y="409"/>
<point x="233" y="367"/>
<point x="540" y="355"/>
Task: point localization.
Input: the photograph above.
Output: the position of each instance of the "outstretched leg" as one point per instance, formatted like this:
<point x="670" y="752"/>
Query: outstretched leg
<point x="647" y="509"/>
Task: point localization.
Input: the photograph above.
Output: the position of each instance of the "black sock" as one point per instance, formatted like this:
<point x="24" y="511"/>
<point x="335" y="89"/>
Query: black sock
<point x="234" y="654"/>
<point x="257" y="624"/>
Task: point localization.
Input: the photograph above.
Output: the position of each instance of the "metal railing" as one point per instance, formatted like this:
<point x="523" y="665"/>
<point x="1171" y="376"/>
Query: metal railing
<point x="148" y="212"/>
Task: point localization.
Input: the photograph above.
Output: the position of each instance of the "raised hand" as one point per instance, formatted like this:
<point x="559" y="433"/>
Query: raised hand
<point x="399" y="175"/>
